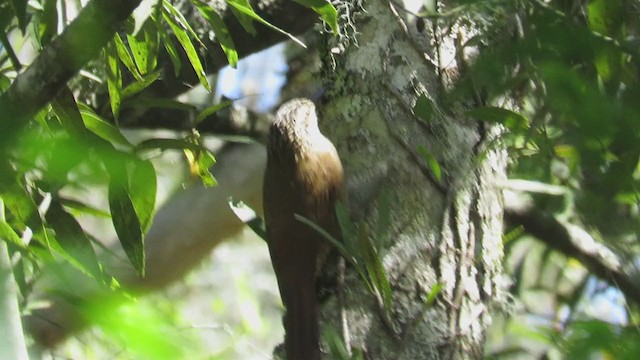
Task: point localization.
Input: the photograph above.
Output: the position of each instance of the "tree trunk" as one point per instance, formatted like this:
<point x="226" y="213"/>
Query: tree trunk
<point x="446" y="229"/>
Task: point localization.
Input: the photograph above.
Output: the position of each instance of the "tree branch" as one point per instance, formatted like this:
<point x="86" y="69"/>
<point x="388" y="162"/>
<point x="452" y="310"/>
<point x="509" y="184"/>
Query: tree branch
<point x="96" y="24"/>
<point x="58" y="62"/>
<point x="574" y="242"/>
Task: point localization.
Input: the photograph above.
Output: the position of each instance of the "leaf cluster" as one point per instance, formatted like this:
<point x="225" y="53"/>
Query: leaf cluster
<point x="70" y="146"/>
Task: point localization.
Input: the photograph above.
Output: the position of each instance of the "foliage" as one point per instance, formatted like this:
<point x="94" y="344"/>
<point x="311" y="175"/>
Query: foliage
<point x="562" y="78"/>
<point x="571" y="66"/>
<point x="76" y="142"/>
<point x="578" y="67"/>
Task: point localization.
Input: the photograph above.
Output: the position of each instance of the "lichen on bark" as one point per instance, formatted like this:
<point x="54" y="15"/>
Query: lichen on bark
<point x="446" y="230"/>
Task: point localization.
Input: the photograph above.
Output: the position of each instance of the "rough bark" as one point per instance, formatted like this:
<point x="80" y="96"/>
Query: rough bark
<point x="446" y="231"/>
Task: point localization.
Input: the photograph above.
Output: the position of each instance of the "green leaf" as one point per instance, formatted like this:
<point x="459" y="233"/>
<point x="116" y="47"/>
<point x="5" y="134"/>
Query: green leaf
<point x="83" y="208"/>
<point x="126" y="222"/>
<point x="326" y="11"/>
<point x="337" y="348"/>
<point x="339" y="246"/>
<point x="221" y="32"/>
<point x="66" y="109"/>
<point x="5" y="82"/>
<point x="604" y="15"/>
<point x="245" y="21"/>
<point x="152" y="40"/>
<point x="16" y="198"/>
<point x="73" y="240"/>
<point x="424" y="108"/>
<point x="48" y="26"/>
<point x="431" y="162"/>
<point x="346" y="225"/>
<point x="101" y="127"/>
<point x="114" y="80"/>
<point x="192" y="54"/>
<point x="350" y="254"/>
<point x="141" y="84"/>
<point x="8" y="234"/>
<point x="180" y="20"/>
<point x="20" y="9"/>
<point x="374" y="267"/>
<point x="140" y="52"/>
<point x="244" y="8"/>
<point x="142" y="191"/>
<point x="511" y="119"/>
<point x="205" y="162"/>
<point x="212" y="109"/>
<point x="125" y="56"/>
<point x="433" y="293"/>
<point x="172" y="51"/>
<point x="249" y="217"/>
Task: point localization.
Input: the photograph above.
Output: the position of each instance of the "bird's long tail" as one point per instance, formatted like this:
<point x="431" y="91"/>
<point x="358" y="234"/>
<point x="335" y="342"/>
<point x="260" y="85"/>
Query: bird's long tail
<point x="301" y="320"/>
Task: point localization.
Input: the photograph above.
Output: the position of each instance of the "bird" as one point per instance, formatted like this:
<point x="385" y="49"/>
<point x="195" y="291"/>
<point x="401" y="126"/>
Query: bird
<point x="303" y="176"/>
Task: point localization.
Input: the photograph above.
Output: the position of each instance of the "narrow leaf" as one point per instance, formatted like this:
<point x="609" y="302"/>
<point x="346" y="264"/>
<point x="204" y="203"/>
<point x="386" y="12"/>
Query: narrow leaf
<point x="326" y="11"/>
<point x="431" y="162"/>
<point x="373" y="264"/>
<point x="433" y="293"/>
<point x="66" y="109"/>
<point x="248" y="216"/>
<point x="83" y="208"/>
<point x="126" y="223"/>
<point x="172" y="51"/>
<point x="8" y="234"/>
<point x="205" y="162"/>
<point x="245" y="21"/>
<point x="511" y="119"/>
<point x="101" y="127"/>
<point x="152" y="41"/>
<point x="211" y="110"/>
<point x="20" y="9"/>
<point x="48" y="26"/>
<point x="221" y="32"/>
<point x="140" y="52"/>
<point x="125" y="56"/>
<point x="142" y="190"/>
<point x="72" y="239"/>
<point x="192" y="54"/>
<point x="244" y="7"/>
<point x="114" y="80"/>
<point x="343" y="251"/>
<point x="5" y="82"/>
<point x="346" y="225"/>
<point x="180" y="20"/>
<point x="140" y="85"/>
